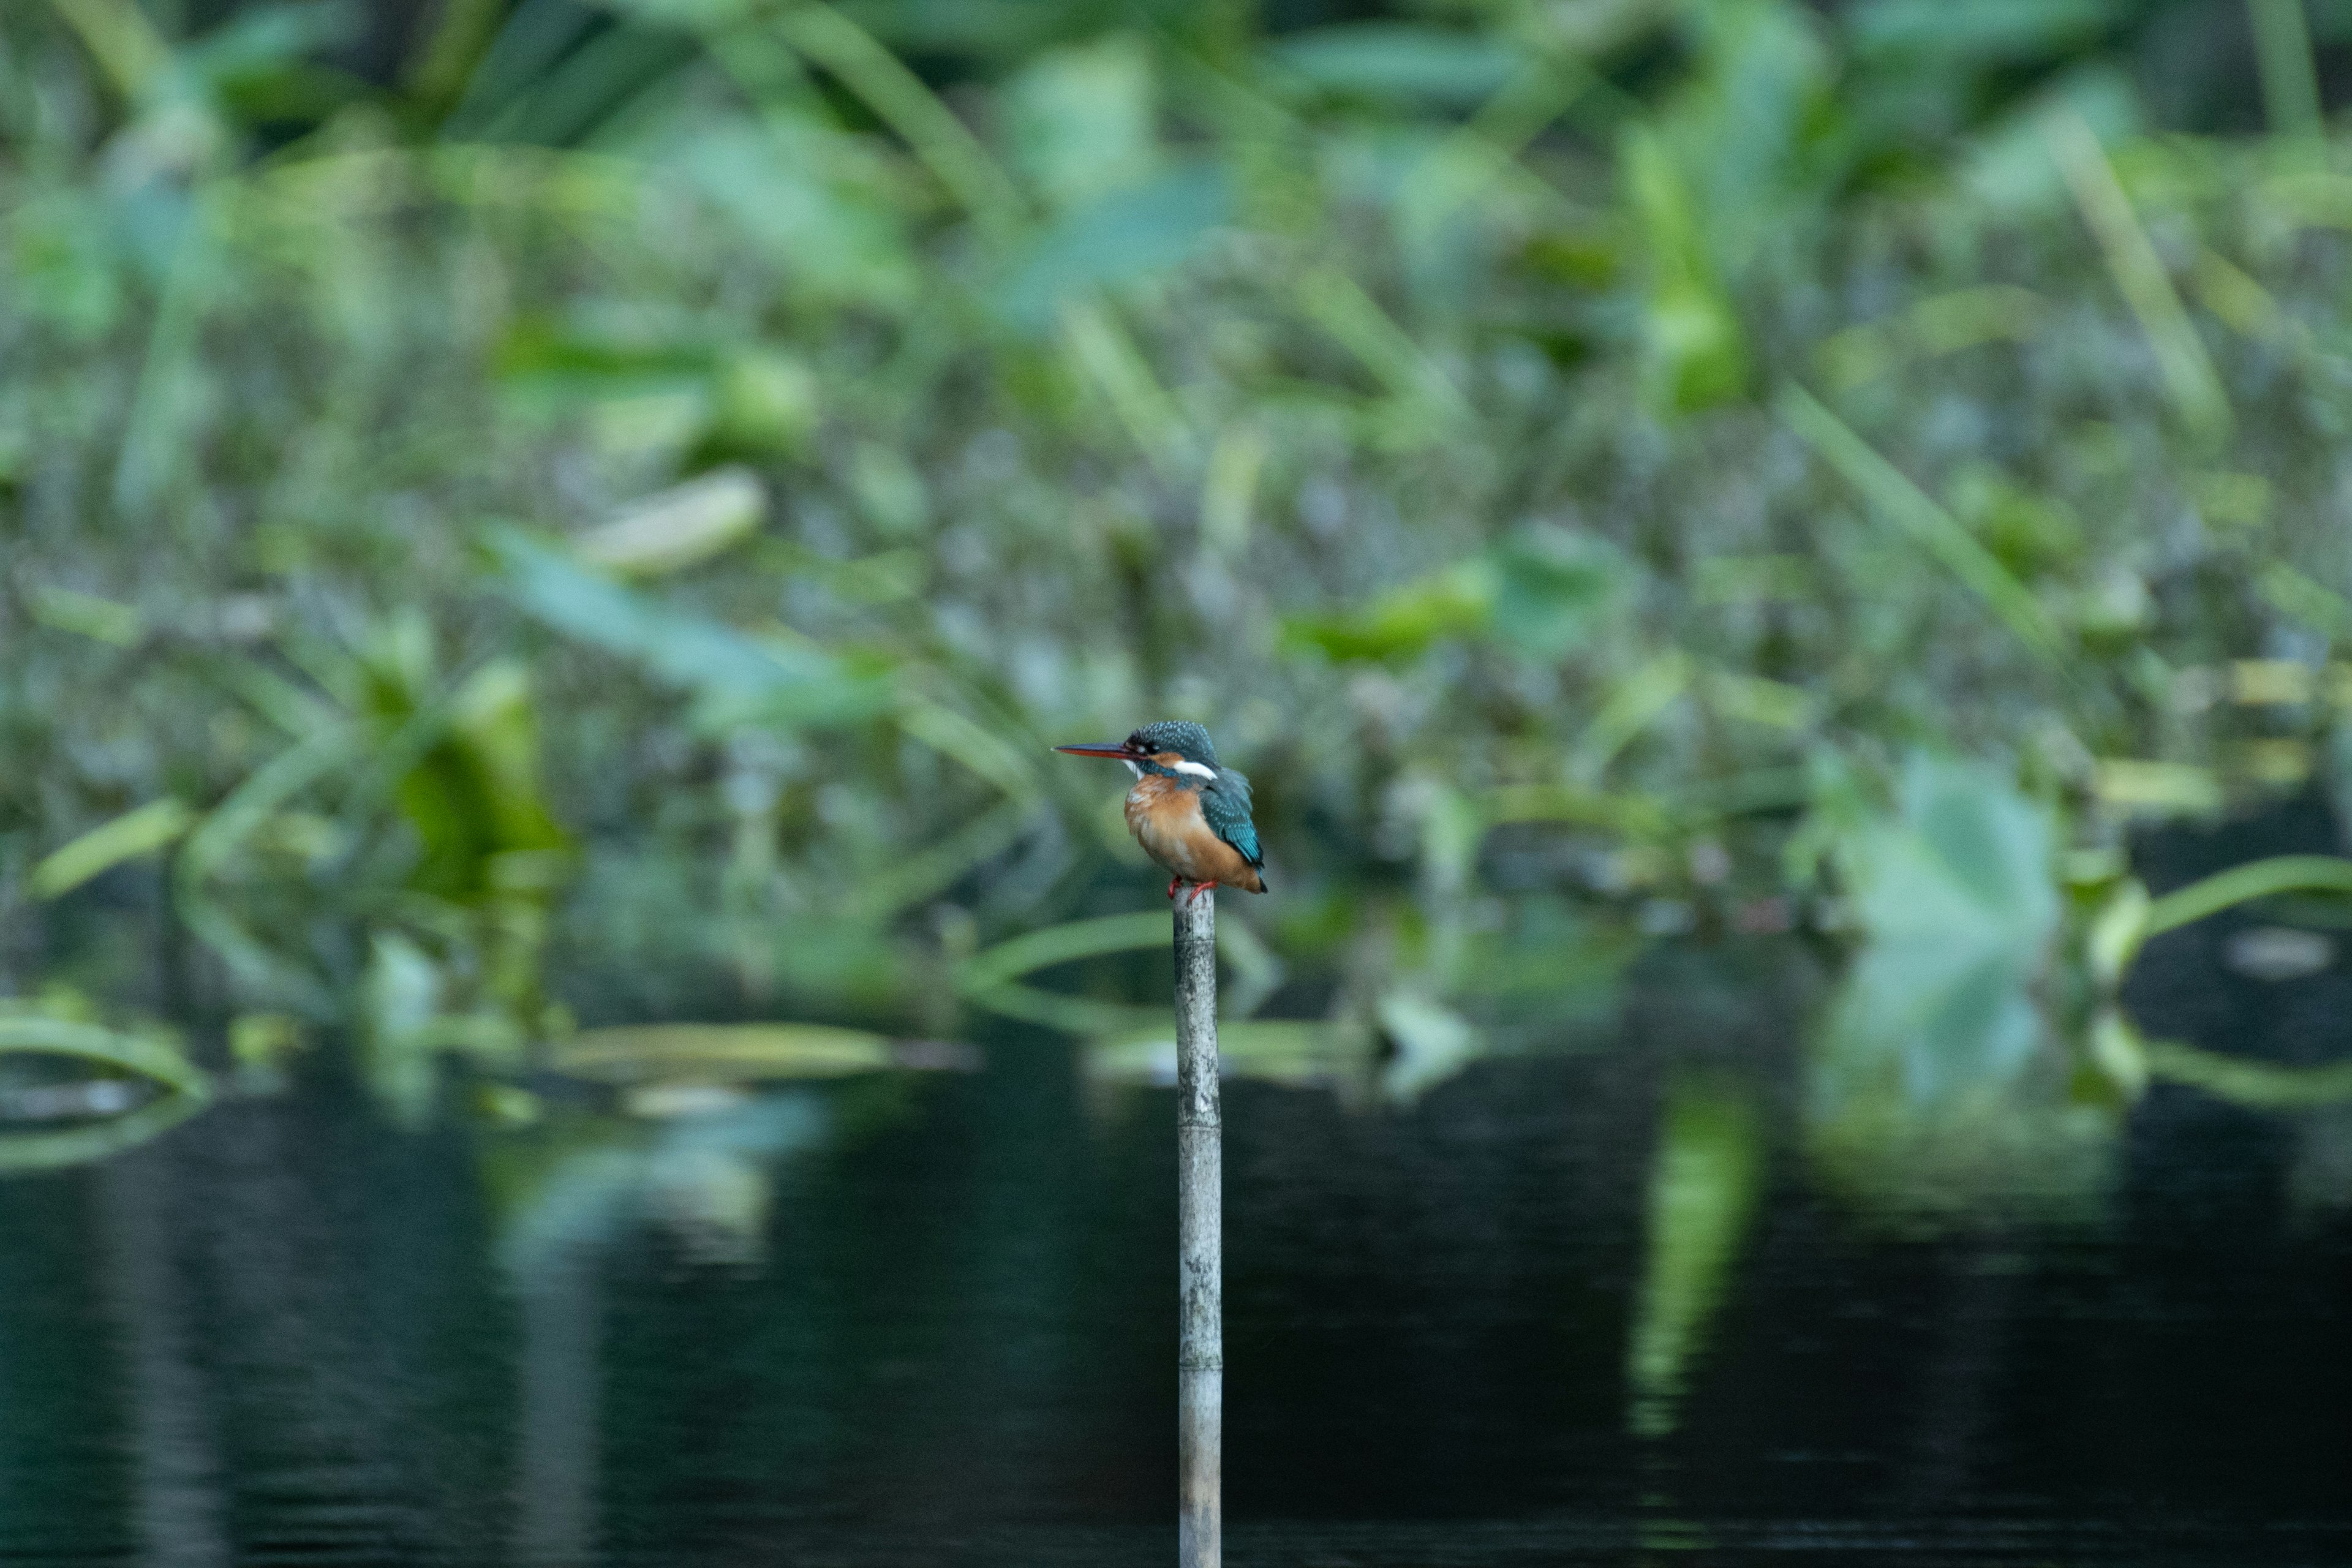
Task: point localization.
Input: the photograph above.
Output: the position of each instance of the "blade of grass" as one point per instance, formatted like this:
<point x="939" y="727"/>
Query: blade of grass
<point x="152" y="444"/>
<point x="1064" y="944"/>
<point x="974" y="744"/>
<point x="2190" y="378"/>
<point x="221" y="834"/>
<point x="897" y="96"/>
<point x="128" y="837"/>
<point x="1632" y="706"/>
<point x="98" y="1140"/>
<point x="932" y="869"/>
<point x="2265" y="1086"/>
<point x="125" y="44"/>
<point x="1912" y="510"/>
<point x="1100" y="347"/>
<point x="448" y="53"/>
<point x="149" y="1057"/>
<point x="1459" y="170"/>
<point x="1635" y="816"/>
<point x="2242" y="884"/>
<point x="2289" y="78"/>
<point x="1338" y="303"/>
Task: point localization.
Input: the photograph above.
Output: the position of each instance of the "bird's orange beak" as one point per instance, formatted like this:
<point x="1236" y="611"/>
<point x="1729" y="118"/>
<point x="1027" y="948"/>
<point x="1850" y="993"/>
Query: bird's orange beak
<point x="1098" y="749"/>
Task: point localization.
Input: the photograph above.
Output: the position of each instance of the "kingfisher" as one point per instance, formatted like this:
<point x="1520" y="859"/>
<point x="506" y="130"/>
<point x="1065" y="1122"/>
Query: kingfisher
<point x="1189" y="814"/>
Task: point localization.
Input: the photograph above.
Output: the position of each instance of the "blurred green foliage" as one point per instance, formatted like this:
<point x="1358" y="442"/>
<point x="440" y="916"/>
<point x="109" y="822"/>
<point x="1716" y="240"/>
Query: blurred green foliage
<point x="517" y="509"/>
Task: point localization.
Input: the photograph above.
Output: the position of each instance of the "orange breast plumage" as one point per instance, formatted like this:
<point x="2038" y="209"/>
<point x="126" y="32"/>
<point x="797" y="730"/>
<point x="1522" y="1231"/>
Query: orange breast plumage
<point x="1165" y="819"/>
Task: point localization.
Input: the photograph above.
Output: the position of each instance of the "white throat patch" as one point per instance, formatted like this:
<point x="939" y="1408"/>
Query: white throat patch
<point x="1134" y="768"/>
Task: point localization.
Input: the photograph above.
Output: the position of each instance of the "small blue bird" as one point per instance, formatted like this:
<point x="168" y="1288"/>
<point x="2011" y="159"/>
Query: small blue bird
<point x="1189" y="814"/>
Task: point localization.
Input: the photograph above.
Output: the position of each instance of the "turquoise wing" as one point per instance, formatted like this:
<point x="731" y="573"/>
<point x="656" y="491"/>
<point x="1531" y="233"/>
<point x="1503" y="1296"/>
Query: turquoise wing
<point x="1225" y="806"/>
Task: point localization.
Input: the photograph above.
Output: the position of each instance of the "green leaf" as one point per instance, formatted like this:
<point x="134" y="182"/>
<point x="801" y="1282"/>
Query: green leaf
<point x="679" y="527"/>
<point x="742" y="680"/>
<point x="86" y="614"/>
<point x="1909" y="508"/>
<point x="2243" y="884"/>
<point x="1008" y="961"/>
<point x="128" y="837"/>
<point x="1403" y="622"/>
<point x="1127" y="235"/>
<point x="1979" y="32"/>
<point x="1398" y="60"/>
<point x="1554" y="586"/>
<point x="1958" y="897"/>
<point x="989" y="978"/>
<point x="1694" y="349"/>
<point x="1083" y="120"/>
<point x="146" y="1056"/>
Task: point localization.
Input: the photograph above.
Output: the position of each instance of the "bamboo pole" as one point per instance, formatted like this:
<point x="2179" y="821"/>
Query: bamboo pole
<point x="1200" y="1189"/>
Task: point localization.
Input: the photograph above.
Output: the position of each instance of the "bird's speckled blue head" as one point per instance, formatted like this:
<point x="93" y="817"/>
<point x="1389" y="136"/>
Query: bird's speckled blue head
<point x="1181" y="736"/>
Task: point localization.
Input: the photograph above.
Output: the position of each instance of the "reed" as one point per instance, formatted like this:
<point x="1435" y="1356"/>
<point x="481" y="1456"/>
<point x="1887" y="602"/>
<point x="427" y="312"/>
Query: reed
<point x="1200" y="1194"/>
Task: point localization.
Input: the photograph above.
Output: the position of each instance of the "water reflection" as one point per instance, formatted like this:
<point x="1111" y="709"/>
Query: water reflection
<point x="1565" y="1308"/>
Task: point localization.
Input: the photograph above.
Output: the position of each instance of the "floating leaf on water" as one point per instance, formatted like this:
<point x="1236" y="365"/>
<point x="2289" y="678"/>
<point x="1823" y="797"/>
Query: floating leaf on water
<point x="1936" y="1086"/>
<point x="1957" y="896"/>
<point x="1299" y="1054"/>
<point x="720" y="1052"/>
<point x="663" y="1101"/>
<point x="183" y="1088"/>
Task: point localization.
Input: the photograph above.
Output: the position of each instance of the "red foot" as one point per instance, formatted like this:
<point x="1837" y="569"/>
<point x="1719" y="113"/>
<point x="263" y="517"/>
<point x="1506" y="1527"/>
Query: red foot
<point x="1171" y="887"/>
<point x="1198" y="888"/>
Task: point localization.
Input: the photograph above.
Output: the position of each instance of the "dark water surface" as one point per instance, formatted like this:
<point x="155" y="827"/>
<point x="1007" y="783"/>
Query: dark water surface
<point x="928" y="1319"/>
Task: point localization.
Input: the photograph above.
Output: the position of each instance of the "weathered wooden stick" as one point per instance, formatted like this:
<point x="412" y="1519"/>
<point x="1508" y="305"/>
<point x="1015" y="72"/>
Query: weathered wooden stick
<point x="1199" y="1192"/>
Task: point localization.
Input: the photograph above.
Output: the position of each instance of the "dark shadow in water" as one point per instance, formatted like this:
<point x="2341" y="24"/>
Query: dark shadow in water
<point x="928" y="1319"/>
